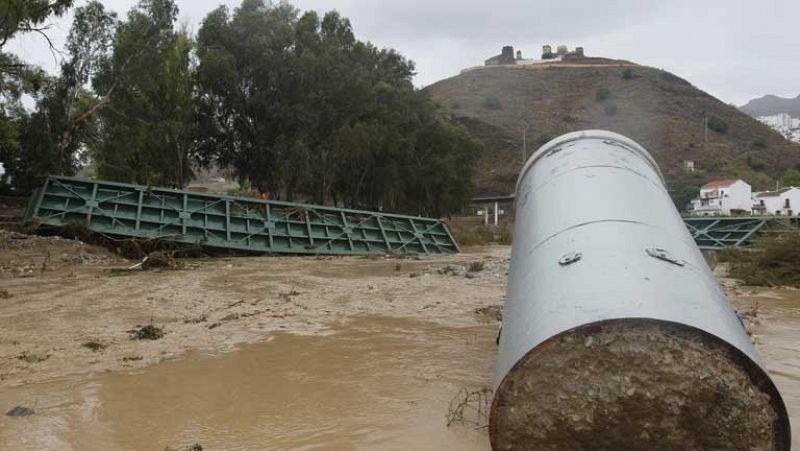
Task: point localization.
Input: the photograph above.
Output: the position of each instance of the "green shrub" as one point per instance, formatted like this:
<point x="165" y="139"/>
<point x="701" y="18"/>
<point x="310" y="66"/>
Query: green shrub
<point x="602" y="94"/>
<point x="505" y="233"/>
<point x="543" y="139"/>
<point x="472" y="236"/>
<point x="682" y="195"/>
<point x="483" y="234"/>
<point x="759" y="143"/>
<point x="790" y="178"/>
<point x="627" y="74"/>
<point x="492" y="103"/>
<point x="755" y="163"/>
<point x="716" y="124"/>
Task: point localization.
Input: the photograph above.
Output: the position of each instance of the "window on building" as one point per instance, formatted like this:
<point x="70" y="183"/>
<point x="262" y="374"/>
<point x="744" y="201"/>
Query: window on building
<point x="786" y="203"/>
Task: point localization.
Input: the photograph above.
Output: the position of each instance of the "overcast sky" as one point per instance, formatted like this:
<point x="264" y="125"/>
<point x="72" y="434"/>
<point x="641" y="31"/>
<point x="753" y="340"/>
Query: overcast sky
<point x="734" y="49"/>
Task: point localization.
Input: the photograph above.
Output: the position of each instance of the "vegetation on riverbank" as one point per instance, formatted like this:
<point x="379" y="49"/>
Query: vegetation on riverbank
<point x="480" y="235"/>
<point x="773" y="261"/>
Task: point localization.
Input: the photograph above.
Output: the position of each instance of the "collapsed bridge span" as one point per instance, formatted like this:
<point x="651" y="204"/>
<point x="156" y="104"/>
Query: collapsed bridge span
<point x="230" y="223"/>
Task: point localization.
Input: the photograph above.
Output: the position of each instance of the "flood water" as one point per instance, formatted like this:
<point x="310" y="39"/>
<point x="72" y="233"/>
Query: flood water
<point x="778" y="340"/>
<point x="373" y="383"/>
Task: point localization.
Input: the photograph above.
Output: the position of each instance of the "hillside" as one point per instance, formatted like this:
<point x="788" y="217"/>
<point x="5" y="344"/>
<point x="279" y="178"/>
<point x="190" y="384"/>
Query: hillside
<point x="770" y="105"/>
<point x="663" y="112"/>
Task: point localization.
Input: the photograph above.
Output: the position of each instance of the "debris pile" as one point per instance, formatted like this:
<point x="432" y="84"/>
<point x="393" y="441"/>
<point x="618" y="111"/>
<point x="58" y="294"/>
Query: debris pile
<point x="480" y="269"/>
<point x="23" y="255"/>
<point x="148" y="332"/>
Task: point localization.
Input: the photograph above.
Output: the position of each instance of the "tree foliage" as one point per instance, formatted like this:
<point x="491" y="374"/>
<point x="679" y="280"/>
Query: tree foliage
<point x="293" y="103"/>
<point x="716" y="124"/>
<point x="147" y="109"/>
<point x="683" y="195"/>
<point x="51" y="138"/>
<point x="20" y="16"/>
<point x="18" y="78"/>
<point x="790" y="178"/>
<point x="299" y="107"/>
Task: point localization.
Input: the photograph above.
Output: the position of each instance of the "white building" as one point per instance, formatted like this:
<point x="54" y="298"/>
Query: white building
<point x="721" y="197"/>
<point x="785" y="201"/>
<point x="784" y="124"/>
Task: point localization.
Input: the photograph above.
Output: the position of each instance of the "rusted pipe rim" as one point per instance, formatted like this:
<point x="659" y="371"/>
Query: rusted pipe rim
<point x="589" y="134"/>
<point x="759" y="377"/>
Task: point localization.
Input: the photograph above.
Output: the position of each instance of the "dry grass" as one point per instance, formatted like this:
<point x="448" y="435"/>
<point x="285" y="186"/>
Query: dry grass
<point x="480" y="235"/>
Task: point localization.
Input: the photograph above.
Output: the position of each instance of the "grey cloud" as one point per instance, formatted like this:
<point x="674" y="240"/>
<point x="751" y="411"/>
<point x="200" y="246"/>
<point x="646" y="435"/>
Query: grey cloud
<point x="734" y="49"/>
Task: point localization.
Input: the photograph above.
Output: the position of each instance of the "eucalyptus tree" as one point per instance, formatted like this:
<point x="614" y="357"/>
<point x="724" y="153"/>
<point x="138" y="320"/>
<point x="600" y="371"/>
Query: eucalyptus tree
<point x="18" y="78"/>
<point x="146" y="115"/>
<point x="301" y="108"/>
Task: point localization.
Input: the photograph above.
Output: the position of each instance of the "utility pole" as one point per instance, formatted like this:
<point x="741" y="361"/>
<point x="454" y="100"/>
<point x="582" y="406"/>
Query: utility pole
<point x="525" y="119"/>
<point x="524" y="144"/>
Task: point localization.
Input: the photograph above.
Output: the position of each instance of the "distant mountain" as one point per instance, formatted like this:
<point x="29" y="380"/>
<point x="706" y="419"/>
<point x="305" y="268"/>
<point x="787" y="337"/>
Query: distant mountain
<point x="770" y="105"/>
<point x="784" y="124"/>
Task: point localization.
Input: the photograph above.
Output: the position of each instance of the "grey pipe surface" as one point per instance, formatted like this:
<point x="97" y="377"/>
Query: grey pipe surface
<point x="614" y="326"/>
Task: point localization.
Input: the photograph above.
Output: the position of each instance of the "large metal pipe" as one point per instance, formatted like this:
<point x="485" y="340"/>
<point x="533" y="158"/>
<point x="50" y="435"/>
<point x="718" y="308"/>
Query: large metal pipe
<point x="615" y="333"/>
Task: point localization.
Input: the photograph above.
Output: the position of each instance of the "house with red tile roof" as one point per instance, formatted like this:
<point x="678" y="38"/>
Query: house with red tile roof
<point x="723" y="198"/>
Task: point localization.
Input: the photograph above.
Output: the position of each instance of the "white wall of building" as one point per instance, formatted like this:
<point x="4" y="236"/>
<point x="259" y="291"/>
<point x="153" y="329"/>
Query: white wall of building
<point x="722" y="200"/>
<point x="782" y="202"/>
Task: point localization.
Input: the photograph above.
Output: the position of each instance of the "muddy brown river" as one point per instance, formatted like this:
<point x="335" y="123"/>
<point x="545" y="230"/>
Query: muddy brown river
<point x="373" y="383"/>
<point x="777" y="333"/>
<point x="378" y="348"/>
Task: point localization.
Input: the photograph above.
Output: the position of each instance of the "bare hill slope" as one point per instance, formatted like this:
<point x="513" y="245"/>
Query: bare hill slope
<point x="663" y="112"/>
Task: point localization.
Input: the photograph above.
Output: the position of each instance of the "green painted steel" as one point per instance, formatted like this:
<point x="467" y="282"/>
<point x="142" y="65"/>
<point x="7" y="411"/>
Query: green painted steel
<point x="717" y="232"/>
<point x="225" y="222"/>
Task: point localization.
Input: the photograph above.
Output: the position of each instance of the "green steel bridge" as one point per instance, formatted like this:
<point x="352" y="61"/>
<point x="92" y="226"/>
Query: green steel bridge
<point x="716" y="232"/>
<point x="709" y="232"/>
<point x="124" y="211"/>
